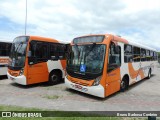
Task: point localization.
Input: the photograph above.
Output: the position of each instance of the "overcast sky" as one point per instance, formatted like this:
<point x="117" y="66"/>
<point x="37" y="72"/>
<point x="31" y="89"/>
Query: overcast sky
<point x="136" y="20"/>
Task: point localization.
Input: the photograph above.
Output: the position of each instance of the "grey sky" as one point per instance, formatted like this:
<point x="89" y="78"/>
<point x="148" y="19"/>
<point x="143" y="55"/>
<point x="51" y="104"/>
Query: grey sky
<point x="136" y="20"/>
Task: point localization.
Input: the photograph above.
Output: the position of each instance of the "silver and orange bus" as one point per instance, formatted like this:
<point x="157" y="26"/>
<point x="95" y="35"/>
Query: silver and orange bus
<point x="5" y="47"/>
<point x="35" y="59"/>
<point x="101" y="65"/>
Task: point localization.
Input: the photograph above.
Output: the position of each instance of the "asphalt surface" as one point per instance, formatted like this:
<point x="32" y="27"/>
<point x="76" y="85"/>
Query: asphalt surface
<point x="142" y="96"/>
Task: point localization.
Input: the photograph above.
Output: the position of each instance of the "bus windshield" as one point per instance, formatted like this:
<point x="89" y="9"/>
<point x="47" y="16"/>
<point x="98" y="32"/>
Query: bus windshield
<point x="89" y="56"/>
<point x="18" y="52"/>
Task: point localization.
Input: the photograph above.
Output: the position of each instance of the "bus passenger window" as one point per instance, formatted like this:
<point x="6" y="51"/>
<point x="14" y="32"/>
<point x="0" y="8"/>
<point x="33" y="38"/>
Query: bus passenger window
<point x="114" y="60"/>
<point x="143" y="55"/>
<point x="39" y="51"/>
<point x="155" y="56"/>
<point x="148" y="55"/>
<point x="58" y="51"/>
<point x="151" y="55"/>
<point x="136" y="56"/>
<point x="5" y="49"/>
<point x="128" y="53"/>
<point x="61" y="51"/>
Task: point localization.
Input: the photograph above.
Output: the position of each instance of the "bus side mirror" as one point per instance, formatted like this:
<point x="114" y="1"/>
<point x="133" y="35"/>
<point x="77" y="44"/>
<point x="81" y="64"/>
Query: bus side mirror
<point x="29" y="54"/>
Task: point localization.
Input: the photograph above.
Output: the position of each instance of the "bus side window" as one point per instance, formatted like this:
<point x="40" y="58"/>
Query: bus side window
<point x="143" y="54"/>
<point x="39" y="52"/>
<point x="5" y="49"/>
<point x="53" y="51"/>
<point x="147" y="55"/>
<point x="155" y="56"/>
<point x="61" y="50"/>
<point x="136" y="52"/>
<point x="114" y="60"/>
<point x="151" y="55"/>
<point x="67" y="50"/>
<point x="128" y="53"/>
<point x="57" y="51"/>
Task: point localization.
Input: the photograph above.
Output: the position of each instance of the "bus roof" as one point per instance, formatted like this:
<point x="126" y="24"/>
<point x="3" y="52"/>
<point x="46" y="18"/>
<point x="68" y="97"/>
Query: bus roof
<point x="43" y="38"/>
<point x="137" y="44"/>
<point x="39" y="38"/>
<point x="120" y="39"/>
<point x="141" y="46"/>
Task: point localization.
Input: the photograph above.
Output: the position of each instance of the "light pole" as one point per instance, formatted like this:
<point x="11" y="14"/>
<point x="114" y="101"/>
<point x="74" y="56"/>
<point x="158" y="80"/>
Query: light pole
<point x="26" y="19"/>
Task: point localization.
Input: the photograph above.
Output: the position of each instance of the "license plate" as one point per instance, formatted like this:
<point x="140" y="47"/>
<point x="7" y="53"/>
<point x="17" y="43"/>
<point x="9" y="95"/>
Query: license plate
<point x="79" y="87"/>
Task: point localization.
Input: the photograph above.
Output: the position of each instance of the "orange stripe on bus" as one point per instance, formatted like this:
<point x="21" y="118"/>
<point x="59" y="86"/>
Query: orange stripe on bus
<point x="63" y="63"/>
<point x="134" y="73"/>
<point x="80" y="81"/>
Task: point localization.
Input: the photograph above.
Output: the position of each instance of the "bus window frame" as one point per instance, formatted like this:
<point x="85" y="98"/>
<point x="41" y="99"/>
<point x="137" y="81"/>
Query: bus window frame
<point x="142" y="57"/>
<point x="131" y="54"/>
<point x="136" y="53"/>
<point x="34" y="60"/>
<point x="116" y="48"/>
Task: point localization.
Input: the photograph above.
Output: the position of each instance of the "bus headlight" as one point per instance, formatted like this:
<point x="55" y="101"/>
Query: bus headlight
<point x="21" y="72"/>
<point x="97" y="81"/>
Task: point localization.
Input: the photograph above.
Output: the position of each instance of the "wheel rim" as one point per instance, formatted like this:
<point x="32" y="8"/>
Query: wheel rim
<point x="54" y="78"/>
<point x="123" y="85"/>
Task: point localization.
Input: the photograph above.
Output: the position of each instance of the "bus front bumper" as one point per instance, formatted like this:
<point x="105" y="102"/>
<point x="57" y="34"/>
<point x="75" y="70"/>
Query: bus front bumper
<point x="19" y="79"/>
<point x="92" y="90"/>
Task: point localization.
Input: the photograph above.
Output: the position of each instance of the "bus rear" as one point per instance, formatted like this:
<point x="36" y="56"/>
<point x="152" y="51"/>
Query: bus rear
<point x="36" y="59"/>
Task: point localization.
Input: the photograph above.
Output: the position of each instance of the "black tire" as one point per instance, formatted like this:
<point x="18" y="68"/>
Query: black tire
<point x="124" y="84"/>
<point x="54" y="78"/>
<point x="149" y="74"/>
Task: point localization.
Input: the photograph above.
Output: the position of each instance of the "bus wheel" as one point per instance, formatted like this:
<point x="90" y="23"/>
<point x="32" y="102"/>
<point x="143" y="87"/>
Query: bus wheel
<point x="54" y="78"/>
<point x="149" y="74"/>
<point x="124" y="84"/>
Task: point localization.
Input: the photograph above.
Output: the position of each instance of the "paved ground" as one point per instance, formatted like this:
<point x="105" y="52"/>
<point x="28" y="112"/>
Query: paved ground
<point x="144" y="95"/>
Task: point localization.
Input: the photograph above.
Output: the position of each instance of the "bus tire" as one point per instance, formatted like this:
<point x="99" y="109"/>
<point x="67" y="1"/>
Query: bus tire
<point x="54" y="78"/>
<point x="124" y="84"/>
<point x="149" y="74"/>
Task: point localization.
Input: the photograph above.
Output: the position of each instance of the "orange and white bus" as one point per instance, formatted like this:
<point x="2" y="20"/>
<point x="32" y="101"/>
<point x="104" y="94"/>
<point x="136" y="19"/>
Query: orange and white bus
<point x="5" y="47"/>
<point x="35" y="59"/>
<point x="101" y="65"/>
